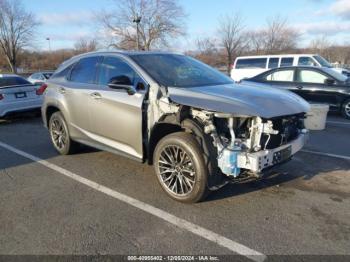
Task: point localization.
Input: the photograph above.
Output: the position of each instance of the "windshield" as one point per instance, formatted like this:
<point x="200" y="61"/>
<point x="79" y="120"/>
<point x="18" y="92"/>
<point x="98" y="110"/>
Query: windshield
<point x="179" y="70"/>
<point x="13" y="81"/>
<point x="338" y="76"/>
<point x="323" y="62"/>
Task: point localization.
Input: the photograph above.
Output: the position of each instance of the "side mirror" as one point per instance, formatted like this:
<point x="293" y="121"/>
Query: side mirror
<point x="329" y="82"/>
<point x="122" y="82"/>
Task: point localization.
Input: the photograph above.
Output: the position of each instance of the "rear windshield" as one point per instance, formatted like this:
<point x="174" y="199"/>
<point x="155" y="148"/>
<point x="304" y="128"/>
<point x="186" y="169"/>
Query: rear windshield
<point x="13" y="81"/>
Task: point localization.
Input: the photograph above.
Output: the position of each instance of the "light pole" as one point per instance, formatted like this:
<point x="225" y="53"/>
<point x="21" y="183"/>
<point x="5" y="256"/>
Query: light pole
<point x="49" y="40"/>
<point x="137" y="20"/>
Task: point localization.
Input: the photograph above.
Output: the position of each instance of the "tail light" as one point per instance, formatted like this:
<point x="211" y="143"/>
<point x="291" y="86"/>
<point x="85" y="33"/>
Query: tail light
<point x="1" y="97"/>
<point x="41" y="90"/>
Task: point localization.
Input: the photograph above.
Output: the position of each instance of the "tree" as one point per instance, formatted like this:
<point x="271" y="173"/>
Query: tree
<point x="275" y="38"/>
<point x="161" y="20"/>
<point x="279" y="36"/>
<point x="231" y="36"/>
<point x="16" y="30"/>
<point x="84" y="45"/>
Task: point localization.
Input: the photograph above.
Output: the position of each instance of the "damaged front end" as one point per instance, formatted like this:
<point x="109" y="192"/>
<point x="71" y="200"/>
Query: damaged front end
<point x="243" y="144"/>
<point x="253" y="144"/>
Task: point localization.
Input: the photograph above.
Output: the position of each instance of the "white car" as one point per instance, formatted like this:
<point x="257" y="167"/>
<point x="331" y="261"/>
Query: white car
<point x="17" y="95"/>
<point x="250" y="66"/>
<point x="40" y="77"/>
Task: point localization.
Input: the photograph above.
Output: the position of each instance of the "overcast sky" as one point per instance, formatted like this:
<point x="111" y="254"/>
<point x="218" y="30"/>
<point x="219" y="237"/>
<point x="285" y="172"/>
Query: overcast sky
<point x="65" y="21"/>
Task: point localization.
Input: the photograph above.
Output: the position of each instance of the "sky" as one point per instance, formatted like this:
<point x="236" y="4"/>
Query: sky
<point x="65" y="21"/>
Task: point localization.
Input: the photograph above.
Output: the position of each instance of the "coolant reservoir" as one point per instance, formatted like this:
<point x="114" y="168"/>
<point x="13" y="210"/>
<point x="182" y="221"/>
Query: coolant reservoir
<point x="228" y="161"/>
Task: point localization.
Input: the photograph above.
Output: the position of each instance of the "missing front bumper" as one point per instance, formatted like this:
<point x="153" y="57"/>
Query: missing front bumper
<point x="257" y="162"/>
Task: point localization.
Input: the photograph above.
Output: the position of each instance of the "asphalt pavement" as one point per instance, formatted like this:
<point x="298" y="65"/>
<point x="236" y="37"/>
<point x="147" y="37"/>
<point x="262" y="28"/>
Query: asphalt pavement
<point x="97" y="203"/>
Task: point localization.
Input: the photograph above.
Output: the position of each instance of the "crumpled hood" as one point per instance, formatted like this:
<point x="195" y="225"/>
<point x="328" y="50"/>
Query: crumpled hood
<point x="241" y="99"/>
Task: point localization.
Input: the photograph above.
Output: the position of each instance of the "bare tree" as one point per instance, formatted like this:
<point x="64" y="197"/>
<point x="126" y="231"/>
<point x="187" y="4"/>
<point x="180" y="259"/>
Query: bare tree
<point x="16" y="30"/>
<point x="207" y="51"/>
<point x="256" y="42"/>
<point x="161" y="20"/>
<point x="279" y="36"/>
<point x="321" y="45"/>
<point x="231" y="36"/>
<point x="84" y="45"/>
<point x="276" y="37"/>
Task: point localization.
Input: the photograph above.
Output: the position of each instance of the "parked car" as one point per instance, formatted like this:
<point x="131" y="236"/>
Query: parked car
<point x="40" y="77"/>
<point x="17" y="95"/>
<point x="250" y="66"/>
<point x="190" y="121"/>
<point x="314" y="84"/>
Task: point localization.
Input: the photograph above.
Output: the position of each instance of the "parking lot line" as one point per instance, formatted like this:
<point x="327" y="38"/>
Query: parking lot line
<point x="338" y="122"/>
<point x="326" y="154"/>
<point x="172" y="219"/>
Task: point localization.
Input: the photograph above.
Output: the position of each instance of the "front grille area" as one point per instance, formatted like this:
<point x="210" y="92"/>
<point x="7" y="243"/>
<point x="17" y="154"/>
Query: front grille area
<point x="288" y="128"/>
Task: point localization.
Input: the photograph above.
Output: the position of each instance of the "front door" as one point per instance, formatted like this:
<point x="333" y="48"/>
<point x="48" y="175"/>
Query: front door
<point x="314" y="86"/>
<point x="116" y="116"/>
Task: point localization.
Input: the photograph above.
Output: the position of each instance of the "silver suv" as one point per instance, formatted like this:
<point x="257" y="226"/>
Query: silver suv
<point x="198" y="128"/>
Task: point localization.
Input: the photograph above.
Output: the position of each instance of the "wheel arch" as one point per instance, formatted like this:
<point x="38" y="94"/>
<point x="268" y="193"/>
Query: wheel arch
<point x="159" y="131"/>
<point x="50" y="110"/>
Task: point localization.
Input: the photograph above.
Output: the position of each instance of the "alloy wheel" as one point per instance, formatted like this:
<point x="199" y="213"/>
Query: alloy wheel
<point x="347" y="109"/>
<point x="58" y="134"/>
<point x="176" y="170"/>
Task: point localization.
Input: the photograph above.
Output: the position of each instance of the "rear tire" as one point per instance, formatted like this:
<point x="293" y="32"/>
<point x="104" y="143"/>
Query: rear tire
<point x="180" y="168"/>
<point x="346" y="109"/>
<point x="59" y="134"/>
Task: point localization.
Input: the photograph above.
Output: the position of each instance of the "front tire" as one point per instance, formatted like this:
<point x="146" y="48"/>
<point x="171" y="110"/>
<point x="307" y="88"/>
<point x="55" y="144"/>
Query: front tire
<point x="59" y="134"/>
<point x="346" y="109"/>
<point x="180" y="168"/>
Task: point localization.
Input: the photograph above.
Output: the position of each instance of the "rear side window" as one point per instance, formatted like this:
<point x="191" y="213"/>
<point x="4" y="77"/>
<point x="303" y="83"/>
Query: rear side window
<point x="47" y="75"/>
<point x="85" y="70"/>
<point x="281" y="76"/>
<point x="251" y="63"/>
<point x="13" y="81"/>
<point x="63" y="74"/>
<point x="287" y="61"/>
<point x="273" y="63"/>
<point x="113" y="67"/>
<point x="306" y="61"/>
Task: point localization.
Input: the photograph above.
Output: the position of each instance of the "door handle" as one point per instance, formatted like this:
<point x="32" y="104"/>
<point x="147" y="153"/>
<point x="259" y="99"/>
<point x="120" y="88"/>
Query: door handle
<point x="300" y="87"/>
<point x="62" y="90"/>
<point x="96" y="95"/>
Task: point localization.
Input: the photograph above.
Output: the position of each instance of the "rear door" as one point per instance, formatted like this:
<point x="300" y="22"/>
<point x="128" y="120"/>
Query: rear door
<point x="116" y="116"/>
<point x="282" y="78"/>
<point x="77" y="92"/>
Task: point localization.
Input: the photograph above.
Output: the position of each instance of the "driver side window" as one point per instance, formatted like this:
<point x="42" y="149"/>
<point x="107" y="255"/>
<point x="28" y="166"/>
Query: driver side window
<point x="310" y="76"/>
<point x="112" y="68"/>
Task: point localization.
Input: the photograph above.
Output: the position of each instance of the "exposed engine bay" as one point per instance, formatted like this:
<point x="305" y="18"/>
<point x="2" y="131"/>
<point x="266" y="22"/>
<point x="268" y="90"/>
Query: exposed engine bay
<point x="248" y="143"/>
